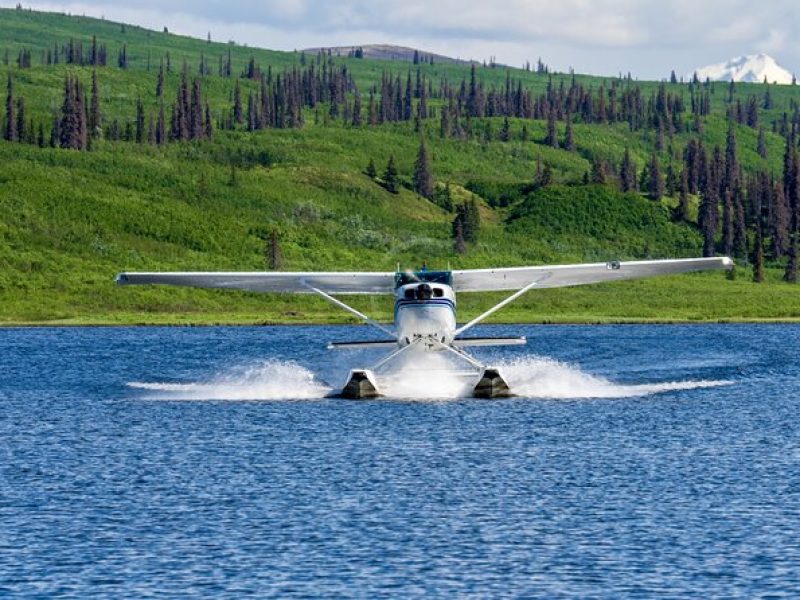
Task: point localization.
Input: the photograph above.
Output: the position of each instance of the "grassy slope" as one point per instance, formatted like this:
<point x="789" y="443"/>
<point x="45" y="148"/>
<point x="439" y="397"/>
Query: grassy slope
<point x="69" y="221"/>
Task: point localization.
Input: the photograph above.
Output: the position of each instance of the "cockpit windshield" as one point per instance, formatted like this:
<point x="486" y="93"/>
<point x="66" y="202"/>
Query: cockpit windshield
<point x="407" y="277"/>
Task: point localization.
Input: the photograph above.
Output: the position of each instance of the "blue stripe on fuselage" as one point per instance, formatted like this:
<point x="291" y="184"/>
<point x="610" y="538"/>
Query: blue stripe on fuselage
<point x="432" y="302"/>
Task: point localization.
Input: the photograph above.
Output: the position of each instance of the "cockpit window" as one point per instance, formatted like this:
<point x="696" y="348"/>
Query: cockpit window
<point x="407" y="277"/>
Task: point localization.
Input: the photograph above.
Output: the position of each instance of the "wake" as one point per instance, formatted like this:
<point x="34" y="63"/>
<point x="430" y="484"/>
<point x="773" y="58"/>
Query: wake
<point x="538" y="377"/>
<point x="263" y="380"/>
<point x="425" y="377"/>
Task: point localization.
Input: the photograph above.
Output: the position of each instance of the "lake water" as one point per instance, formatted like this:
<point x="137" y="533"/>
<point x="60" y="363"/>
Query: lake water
<point x="638" y="461"/>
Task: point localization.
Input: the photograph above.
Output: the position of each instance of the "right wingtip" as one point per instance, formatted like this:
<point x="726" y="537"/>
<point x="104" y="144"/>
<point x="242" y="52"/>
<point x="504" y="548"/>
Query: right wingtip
<point x="728" y="263"/>
<point x="121" y="279"/>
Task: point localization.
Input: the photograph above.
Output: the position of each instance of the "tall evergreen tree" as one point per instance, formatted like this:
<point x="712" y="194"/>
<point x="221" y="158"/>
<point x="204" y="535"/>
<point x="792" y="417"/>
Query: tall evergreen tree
<point x="22" y="125"/>
<point x="655" y="186"/>
<point x="238" y="117"/>
<point x="371" y="171"/>
<point x="569" y="137"/>
<point x="10" y="132"/>
<point x="196" y="121"/>
<point x="758" y="256"/>
<point x="599" y="171"/>
<point x="762" y="143"/>
<point x="731" y="160"/>
<point x="140" y="122"/>
<point x="467" y="220"/>
<point x="779" y="221"/>
<point x="423" y="176"/>
<point x="708" y="216"/>
<point x="273" y="252"/>
<point x="727" y="224"/>
<point x="391" y="179"/>
<point x="505" y="130"/>
<point x="739" y="225"/>
<point x="122" y="58"/>
<point x="459" y="243"/>
<point x="627" y="172"/>
<point x="161" y="126"/>
<point x="408" y="105"/>
<point x="683" y="201"/>
<point x="160" y="81"/>
<point x="357" y="119"/>
<point x="551" y="139"/>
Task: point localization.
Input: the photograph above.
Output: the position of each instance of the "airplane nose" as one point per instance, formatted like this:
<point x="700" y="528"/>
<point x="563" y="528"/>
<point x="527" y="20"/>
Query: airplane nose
<point x="424" y="292"/>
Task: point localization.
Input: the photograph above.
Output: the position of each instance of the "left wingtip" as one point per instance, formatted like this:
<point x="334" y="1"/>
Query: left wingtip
<point x="121" y="279"/>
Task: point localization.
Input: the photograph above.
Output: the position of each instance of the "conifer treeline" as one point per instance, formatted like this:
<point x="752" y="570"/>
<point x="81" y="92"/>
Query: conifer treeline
<point x="740" y="214"/>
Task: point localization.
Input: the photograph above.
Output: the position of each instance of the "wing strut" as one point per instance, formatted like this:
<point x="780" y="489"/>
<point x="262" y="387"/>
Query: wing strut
<point x="495" y="308"/>
<point x="351" y="310"/>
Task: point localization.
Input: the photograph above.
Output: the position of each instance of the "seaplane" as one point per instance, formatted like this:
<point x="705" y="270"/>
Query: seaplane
<point x="425" y="305"/>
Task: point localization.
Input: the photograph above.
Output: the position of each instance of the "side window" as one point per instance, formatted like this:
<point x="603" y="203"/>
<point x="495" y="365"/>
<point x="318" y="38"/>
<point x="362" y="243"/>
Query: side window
<point x="438" y="292"/>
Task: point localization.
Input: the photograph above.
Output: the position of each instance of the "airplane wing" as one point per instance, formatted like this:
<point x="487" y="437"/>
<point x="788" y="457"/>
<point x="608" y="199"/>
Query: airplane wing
<point x="515" y="278"/>
<point x="330" y="282"/>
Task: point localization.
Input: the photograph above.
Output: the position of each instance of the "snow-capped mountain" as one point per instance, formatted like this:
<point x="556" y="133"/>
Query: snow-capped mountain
<point x="752" y="68"/>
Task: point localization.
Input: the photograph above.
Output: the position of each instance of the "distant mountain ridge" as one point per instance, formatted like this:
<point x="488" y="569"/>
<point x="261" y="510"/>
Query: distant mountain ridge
<point x="387" y="52"/>
<point x="752" y="68"/>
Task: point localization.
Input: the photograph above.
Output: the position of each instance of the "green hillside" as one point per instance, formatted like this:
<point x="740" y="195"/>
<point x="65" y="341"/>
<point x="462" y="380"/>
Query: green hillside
<point x="69" y="220"/>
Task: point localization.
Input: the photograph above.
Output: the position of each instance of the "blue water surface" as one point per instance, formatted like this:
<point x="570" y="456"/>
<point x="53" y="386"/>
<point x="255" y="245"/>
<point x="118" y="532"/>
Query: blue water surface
<point x="133" y="465"/>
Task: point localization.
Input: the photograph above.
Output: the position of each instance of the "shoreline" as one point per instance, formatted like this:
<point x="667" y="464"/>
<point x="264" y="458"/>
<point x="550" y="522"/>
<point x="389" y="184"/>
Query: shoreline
<point x="321" y="323"/>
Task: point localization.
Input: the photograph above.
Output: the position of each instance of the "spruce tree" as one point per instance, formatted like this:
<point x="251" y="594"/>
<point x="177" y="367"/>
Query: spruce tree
<point x="371" y="171"/>
<point x="444" y="198"/>
<point x="161" y="126"/>
<point x="627" y="172"/>
<point x="727" y="224"/>
<point x="552" y="132"/>
<point x="10" y="132"/>
<point x="599" y="171"/>
<point x="357" y="120"/>
<point x="467" y="221"/>
<point x="22" y="125"/>
<point x="238" y="117"/>
<point x="122" y="58"/>
<point x="390" y="176"/>
<point x="655" y="185"/>
<point x="758" y="256"/>
<point x="160" y="81"/>
<point x="683" y="201"/>
<point x="423" y="177"/>
<point x="459" y="244"/>
<point x="708" y="219"/>
<point x="546" y="176"/>
<point x="274" y="253"/>
<point x="762" y="143"/>
<point x="739" y="225"/>
<point x="196" y="121"/>
<point x="569" y="137"/>
<point x="780" y="220"/>
<point x="140" y="124"/>
<point x="505" y="131"/>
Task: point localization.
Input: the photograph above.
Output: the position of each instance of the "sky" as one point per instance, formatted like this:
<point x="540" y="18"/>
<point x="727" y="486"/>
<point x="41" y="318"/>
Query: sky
<point x="604" y="37"/>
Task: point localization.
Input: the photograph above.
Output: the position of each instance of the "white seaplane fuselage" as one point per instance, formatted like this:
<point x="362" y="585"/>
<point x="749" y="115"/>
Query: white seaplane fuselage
<point x="425" y="311"/>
